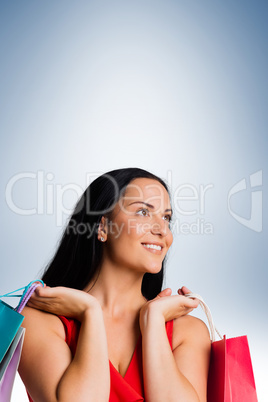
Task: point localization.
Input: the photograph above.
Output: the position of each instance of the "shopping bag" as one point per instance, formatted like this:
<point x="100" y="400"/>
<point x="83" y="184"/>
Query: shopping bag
<point x="9" y="366"/>
<point x="11" y="338"/>
<point x="10" y="321"/>
<point x="231" y="377"/>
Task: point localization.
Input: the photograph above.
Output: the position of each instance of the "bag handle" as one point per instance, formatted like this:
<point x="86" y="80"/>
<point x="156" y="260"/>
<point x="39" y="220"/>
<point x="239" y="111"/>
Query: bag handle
<point x="25" y="296"/>
<point x="213" y="329"/>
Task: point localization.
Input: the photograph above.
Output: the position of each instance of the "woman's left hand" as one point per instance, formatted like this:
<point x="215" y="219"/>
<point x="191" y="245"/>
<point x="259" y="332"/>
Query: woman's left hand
<point x="177" y="371"/>
<point x="167" y="307"/>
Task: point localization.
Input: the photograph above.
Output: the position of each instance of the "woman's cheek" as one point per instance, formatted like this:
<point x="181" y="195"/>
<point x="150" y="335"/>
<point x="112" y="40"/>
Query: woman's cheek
<point x="142" y="228"/>
<point x="170" y="239"/>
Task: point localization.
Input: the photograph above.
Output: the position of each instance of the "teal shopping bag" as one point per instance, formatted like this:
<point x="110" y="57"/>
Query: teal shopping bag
<point x="10" y="318"/>
<point x="10" y="321"/>
<point x="11" y="338"/>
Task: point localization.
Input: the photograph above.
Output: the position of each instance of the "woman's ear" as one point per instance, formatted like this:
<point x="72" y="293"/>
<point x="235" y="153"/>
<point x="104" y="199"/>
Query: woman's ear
<point x="103" y="229"/>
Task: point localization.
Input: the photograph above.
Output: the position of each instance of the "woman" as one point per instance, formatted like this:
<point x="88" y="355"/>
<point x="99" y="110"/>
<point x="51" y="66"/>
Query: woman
<point x="102" y="329"/>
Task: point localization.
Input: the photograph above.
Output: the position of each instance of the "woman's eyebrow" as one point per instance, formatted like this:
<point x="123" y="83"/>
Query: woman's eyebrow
<point x="148" y="205"/>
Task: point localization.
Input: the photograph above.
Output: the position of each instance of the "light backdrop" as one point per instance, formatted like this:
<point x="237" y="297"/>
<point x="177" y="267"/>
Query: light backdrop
<point x="176" y="87"/>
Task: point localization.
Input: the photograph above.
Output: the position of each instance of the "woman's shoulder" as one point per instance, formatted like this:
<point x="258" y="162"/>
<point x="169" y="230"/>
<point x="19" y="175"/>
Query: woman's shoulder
<point x="38" y="321"/>
<point x="45" y="354"/>
<point x="191" y="330"/>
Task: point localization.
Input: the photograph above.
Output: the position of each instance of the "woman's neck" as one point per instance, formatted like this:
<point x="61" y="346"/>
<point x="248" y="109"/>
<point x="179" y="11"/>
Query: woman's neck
<point x="117" y="290"/>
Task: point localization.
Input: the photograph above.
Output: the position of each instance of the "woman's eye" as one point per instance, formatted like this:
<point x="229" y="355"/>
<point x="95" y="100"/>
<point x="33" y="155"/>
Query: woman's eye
<point x="167" y="218"/>
<point x="143" y="212"/>
<point x="146" y="212"/>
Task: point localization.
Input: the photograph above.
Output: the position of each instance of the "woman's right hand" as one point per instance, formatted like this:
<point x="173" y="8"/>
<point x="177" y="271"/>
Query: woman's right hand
<point x="49" y="370"/>
<point x="63" y="301"/>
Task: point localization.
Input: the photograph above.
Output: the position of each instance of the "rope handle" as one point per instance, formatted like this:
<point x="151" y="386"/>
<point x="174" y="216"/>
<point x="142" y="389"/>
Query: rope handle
<point x="25" y="296"/>
<point x="213" y="329"/>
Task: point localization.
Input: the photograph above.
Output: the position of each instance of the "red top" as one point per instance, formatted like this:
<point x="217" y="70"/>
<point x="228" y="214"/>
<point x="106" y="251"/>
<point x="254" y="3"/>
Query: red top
<point x="123" y="389"/>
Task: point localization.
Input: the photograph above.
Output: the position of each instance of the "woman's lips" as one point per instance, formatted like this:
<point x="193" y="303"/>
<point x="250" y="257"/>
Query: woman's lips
<point x="153" y="248"/>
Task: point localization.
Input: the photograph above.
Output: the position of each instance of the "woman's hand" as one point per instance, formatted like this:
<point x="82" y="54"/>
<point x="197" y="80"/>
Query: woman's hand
<point x="63" y="301"/>
<point x="167" y="307"/>
<point x="178" y="371"/>
<point x="184" y="291"/>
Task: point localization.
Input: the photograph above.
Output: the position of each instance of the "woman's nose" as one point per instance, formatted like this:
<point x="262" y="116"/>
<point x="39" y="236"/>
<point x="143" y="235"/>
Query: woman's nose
<point x="159" y="226"/>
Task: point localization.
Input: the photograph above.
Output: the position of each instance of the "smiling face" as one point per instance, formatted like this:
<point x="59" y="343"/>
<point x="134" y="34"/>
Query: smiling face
<point x="138" y="235"/>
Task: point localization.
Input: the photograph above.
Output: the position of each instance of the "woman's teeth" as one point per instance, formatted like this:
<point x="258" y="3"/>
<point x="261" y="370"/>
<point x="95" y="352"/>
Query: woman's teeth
<point x="154" y="246"/>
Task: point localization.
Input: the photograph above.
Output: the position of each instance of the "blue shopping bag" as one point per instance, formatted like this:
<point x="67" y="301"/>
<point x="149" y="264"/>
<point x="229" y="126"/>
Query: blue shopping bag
<point x="10" y="322"/>
<point x="11" y="338"/>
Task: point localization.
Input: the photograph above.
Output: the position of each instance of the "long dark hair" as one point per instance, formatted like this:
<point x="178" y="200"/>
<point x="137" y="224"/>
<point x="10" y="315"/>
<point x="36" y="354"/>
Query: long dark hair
<point x="79" y="254"/>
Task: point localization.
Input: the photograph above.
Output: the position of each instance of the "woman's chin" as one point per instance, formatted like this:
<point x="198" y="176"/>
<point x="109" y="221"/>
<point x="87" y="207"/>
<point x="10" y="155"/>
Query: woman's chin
<point x="153" y="269"/>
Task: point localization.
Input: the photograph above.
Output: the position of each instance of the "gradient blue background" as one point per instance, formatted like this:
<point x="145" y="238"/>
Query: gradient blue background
<point x="175" y="87"/>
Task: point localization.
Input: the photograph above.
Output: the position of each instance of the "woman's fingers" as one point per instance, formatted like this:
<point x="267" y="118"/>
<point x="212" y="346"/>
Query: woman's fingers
<point x="48" y="292"/>
<point x="60" y="300"/>
<point x="191" y="303"/>
<point x="183" y="291"/>
<point x="165" y="292"/>
<point x="187" y="302"/>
